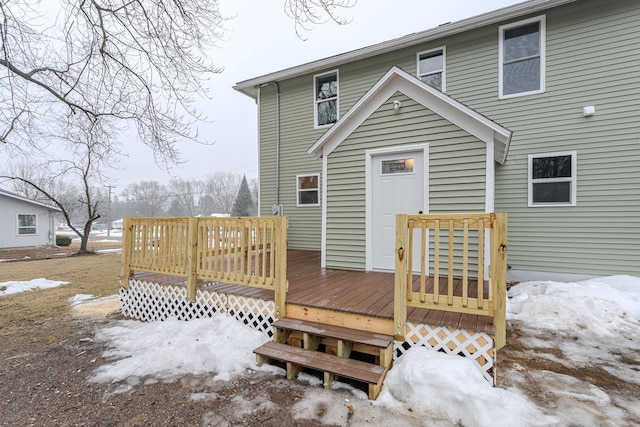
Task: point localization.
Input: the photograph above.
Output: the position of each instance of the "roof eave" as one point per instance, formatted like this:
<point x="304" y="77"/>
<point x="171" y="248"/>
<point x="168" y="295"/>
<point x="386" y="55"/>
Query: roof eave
<point x="250" y="87"/>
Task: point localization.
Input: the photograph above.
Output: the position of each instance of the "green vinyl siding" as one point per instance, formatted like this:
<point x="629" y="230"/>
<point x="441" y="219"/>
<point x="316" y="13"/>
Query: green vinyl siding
<point x="456" y="173"/>
<point x="305" y="223"/>
<point x="592" y="58"/>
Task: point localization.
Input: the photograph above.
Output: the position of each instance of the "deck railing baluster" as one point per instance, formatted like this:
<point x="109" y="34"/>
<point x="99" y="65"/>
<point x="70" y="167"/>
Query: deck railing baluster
<point x="450" y="276"/>
<point x="465" y="263"/>
<point x="423" y="259"/>
<point x="436" y="262"/>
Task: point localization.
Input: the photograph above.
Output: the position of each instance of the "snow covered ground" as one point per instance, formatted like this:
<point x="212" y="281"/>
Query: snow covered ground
<point x="17" y="286"/>
<point x="591" y="326"/>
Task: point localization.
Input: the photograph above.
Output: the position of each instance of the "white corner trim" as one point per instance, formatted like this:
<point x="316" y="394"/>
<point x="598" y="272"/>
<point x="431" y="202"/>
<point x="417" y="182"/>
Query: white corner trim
<point x="325" y="190"/>
<point x="368" y="167"/>
<point x="489" y="201"/>
<point x="490" y="179"/>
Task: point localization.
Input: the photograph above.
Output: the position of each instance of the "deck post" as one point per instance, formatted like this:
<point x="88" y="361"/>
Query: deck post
<point x="499" y="261"/>
<point x="282" y="224"/>
<point x="127" y="248"/>
<point x="400" y="281"/>
<point x="192" y="258"/>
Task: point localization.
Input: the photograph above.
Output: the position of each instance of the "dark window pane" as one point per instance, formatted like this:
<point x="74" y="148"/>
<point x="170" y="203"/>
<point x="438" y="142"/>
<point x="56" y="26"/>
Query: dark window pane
<point x="431" y="62"/>
<point x="433" y="80"/>
<point x="327" y="112"/>
<point x="326" y="87"/>
<point x="306" y="182"/>
<point x="308" y="197"/>
<point x="552" y="192"/>
<point x="27" y="230"/>
<point x="552" y="167"/>
<point x="26" y="220"/>
<point x="521" y="76"/>
<point x="522" y="42"/>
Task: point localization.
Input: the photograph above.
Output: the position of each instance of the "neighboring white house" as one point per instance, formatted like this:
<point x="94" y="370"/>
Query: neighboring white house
<point x="117" y="224"/>
<point x="25" y="222"/>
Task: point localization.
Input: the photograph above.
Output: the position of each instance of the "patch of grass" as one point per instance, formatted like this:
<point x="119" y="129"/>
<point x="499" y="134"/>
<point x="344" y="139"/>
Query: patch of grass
<point x="95" y="275"/>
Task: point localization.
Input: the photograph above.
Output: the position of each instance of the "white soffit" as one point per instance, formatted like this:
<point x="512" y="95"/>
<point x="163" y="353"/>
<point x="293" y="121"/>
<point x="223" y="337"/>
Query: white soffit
<point x="397" y="80"/>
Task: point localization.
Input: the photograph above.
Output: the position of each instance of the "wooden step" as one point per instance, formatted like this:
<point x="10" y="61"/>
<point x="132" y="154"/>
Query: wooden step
<point x="337" y="332"/>
<point x="298" y="358"/>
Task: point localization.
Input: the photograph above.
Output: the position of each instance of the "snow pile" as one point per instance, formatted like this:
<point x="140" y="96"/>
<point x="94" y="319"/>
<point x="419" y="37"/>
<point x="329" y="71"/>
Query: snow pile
<point x="17" y="286"/>
<point x="608" y="306"/>
<point x="173" y="348"/>
<point x="452" y="388"/>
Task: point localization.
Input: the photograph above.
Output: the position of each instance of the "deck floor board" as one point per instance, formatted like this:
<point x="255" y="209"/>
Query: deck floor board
<point x="366" y="293"/>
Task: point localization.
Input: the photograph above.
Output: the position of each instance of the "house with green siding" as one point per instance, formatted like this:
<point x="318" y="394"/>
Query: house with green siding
<point x="532" y="109"/>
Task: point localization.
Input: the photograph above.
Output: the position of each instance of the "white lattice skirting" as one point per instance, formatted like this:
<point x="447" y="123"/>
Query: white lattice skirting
<point x="150" y="301"/>
<point x="477" y="346"/>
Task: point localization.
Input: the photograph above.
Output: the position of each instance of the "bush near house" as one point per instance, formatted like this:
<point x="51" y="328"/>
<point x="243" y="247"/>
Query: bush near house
<point x="63" y="240"/>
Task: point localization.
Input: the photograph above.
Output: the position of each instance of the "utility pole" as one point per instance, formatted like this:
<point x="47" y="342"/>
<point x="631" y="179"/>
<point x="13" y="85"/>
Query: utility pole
<point x="109" y="212"/>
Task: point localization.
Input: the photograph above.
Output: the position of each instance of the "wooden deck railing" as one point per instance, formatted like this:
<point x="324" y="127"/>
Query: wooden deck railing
<point x="445" y="281"/>
<point x="248" y="251"/>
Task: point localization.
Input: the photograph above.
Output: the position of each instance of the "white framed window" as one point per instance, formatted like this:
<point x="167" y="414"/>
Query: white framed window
<point x="553" y="179"/>
<point x="325" y="99"/>
<point x="308" y="190"/>
<point x="431" y="66"/>
<point x="27" y="224"/>
<point x="522" y="57"/>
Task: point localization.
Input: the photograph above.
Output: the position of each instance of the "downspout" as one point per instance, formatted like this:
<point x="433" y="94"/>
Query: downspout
<point x="276" y="209"/>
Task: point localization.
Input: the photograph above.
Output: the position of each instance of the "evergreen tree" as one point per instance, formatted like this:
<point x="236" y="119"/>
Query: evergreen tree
<point x="244" y="202"/>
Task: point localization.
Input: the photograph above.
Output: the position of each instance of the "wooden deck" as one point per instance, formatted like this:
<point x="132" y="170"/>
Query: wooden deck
<point x="354" y="292"/>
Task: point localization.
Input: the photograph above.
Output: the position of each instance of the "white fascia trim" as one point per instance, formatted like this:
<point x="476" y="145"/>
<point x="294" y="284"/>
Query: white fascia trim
<point x="325" y="190"/>
<point x="398" y="80"/>
<point x="444" y="64"/>
<point x="574" y="179"/>
<point x="33" y="202"/>
<point x="248" y="87"/>
<point x="396" y="149"/>
<point x="543" y="55"/>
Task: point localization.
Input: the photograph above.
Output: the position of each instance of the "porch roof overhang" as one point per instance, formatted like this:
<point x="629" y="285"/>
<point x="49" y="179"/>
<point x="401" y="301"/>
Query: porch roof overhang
<point x="397" y="80"/>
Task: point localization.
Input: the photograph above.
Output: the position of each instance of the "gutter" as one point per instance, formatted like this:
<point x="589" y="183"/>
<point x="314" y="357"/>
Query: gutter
<point x="276" y="209"/>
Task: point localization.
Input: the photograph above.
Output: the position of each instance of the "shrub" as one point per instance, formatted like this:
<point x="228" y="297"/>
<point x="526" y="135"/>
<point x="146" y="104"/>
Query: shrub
<point x="63" y="240"/>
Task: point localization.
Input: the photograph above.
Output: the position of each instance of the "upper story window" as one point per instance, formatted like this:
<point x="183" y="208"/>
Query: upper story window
<point x="325" y="89"/>
<point x="308" y="189"/>
<point x="522" y="57"/>
<point x="431" y="67"/>
<point x="553" y="179"/>
<point x="26" y="224"/>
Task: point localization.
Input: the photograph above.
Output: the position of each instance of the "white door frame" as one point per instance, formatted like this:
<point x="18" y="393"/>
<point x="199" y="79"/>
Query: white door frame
<point x="397" y="149"/>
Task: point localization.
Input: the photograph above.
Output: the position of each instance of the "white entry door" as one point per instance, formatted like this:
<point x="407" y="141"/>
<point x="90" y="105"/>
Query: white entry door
<point x="397" y="186"/>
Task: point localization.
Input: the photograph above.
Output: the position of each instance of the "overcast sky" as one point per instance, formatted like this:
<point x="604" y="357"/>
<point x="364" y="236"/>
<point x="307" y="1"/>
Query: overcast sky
<point x="261" y="39"/>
